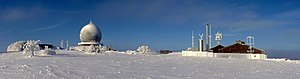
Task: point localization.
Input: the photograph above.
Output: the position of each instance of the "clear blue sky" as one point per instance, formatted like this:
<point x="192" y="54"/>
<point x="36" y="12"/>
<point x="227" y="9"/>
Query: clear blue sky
<point x="161" y="24"/>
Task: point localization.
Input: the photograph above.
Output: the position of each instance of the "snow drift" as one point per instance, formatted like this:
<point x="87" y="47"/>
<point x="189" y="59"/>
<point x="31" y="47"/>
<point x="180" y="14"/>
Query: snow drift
<point x="77" y="65"/>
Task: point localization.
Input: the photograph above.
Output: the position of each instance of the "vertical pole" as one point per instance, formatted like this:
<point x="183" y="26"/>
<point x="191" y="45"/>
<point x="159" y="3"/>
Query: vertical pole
<point x="206" y="36"/>
<point x="193" y="39"/>
<point x="253" y="41"/>
<point x="200" y="41"/>
<point x="67" y="45"/>
<point x="250" y="42"/>
<point x="209" y="36"/>
<point x="62" y="43"/>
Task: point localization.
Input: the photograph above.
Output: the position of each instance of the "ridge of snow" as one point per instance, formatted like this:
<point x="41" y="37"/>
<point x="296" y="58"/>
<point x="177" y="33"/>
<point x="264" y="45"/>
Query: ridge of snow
<point x="78" y="65"/>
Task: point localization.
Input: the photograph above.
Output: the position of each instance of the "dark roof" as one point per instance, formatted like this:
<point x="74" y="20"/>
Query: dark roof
<point x="217" y="48"/>
<point x="42" y="46"/>
<point x="238" y="47"/>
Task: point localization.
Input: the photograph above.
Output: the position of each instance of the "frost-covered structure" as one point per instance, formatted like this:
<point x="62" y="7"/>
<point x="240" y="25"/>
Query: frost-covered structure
<point x="16" y="46"/>
<point x="91" y="49"/>
<point x="130" y="52"/>
<point x="144" y="50"/>
<point x="30" y="47"/>
<point x="97" y="49"/>
<point x="46" y="52"/>
<point x="140" y="50"/>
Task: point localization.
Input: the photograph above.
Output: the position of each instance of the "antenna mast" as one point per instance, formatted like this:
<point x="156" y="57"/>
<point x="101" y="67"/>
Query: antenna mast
<point x="206" y="36"/>
<point x="67" y="45"/>
<point x="218" y="37"/>
<point x="209" y="36"/>
<point x="250" y="42"/>
<point x="193" y="45"/>
<point x="62" y="43"/>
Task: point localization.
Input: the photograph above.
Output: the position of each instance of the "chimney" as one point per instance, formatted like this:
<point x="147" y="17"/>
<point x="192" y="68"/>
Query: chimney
<point x="200" y="43"/>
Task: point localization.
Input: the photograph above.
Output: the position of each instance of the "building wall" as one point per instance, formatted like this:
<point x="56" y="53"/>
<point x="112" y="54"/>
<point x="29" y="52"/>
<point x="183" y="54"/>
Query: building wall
<point x="224" y="55"/>
<point x="196" y="53"/>
<point x="240" y="55"/>
<point x="79" y="48"/>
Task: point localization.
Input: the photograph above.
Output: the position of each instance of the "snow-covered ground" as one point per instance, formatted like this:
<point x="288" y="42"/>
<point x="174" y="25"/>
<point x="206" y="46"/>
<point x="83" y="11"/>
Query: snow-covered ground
<point x="76" y="65"/>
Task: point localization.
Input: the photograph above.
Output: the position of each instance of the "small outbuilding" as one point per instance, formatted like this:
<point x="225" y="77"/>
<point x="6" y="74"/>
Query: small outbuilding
<point x="165" y="51"/>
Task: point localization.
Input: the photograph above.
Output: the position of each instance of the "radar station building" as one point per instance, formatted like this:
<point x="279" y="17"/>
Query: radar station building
<point x="90" y="34"/>
<point x="238" y="50"/>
